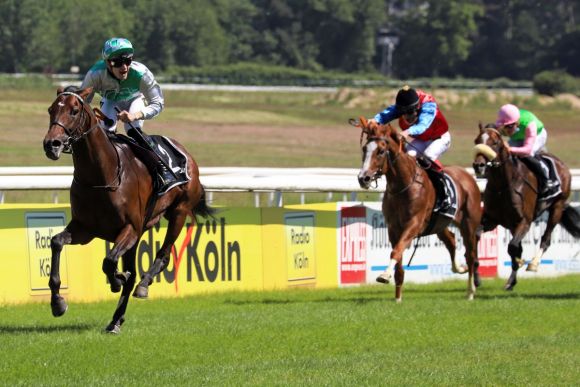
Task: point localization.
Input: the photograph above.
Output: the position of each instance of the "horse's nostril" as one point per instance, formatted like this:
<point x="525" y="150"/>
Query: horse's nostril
<point x="367" y="178"/>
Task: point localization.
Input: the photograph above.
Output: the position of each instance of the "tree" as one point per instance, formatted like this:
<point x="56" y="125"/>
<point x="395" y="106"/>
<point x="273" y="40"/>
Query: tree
<point x="436" y="37"/>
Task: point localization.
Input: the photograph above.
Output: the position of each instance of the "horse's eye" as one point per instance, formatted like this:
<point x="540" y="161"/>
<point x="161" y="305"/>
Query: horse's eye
<point x="381" y="152"/>
<point x="74" y="111"/>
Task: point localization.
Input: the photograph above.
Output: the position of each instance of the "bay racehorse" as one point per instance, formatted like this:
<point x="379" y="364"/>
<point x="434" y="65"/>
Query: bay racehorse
<point x="112" y="198"/>
<point x="409" y="201"/>
<point x="511" y="198"/>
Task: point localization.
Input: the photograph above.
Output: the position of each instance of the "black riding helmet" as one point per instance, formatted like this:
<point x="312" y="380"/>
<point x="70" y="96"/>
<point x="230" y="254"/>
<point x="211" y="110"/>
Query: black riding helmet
<point x="407" y="100"/>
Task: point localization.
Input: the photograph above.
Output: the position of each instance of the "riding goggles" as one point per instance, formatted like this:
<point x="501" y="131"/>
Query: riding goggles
<point x="119" y="62"/>
<point x="408" y="109"/>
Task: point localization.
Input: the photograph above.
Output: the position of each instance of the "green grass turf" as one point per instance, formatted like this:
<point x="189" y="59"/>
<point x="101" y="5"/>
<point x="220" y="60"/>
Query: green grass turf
<point x="350" y="336"/>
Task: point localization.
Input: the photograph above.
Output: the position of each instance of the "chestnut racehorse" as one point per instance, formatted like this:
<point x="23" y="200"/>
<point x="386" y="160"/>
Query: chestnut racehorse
<point x="112" y="198"/>
<point x="409" y="201"/>
<point x="510" y="198"/>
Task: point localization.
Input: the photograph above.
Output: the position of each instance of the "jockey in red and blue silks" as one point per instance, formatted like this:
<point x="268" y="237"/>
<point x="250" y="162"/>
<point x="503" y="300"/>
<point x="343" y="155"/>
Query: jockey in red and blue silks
<point x="424" y="127"/>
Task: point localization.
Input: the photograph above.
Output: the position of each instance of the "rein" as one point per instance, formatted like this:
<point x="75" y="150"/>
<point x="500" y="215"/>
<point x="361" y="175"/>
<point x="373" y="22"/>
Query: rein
<point x="74" y="137"/>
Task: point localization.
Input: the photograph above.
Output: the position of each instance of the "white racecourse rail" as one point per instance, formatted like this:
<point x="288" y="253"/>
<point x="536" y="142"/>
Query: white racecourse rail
<point x="226" y="179"/>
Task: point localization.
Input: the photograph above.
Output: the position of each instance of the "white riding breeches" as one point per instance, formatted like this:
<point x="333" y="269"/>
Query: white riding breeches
<point x="132" y="106"/>
<point x="432" y="149"/>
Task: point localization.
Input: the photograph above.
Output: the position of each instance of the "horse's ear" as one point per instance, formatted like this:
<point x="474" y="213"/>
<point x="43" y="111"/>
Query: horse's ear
<point x="363" y="121"/>
<point x="86" y="92"/>
<point x="59" y="90"/>
<point x="480" y="127"/>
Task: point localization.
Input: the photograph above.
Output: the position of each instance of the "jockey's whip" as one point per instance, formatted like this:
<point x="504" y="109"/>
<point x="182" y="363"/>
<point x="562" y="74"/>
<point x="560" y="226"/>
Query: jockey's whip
<point x="414" y="251"/>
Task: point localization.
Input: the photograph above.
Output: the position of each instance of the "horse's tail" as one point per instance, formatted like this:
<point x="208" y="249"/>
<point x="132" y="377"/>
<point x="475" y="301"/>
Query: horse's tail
<point x="202" y="208"/>
<point x="571" y="220"/>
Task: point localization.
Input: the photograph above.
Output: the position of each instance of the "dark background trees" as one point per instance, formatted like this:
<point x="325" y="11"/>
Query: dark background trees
<point x="449" y="38"/>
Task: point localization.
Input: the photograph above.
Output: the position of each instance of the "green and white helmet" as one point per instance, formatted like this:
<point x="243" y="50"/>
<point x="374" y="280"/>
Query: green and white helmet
<point x="115" y="47"/>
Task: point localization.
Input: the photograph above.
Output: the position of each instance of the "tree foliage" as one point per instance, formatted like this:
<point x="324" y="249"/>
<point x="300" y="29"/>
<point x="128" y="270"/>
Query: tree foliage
<point x="452" y="38"/>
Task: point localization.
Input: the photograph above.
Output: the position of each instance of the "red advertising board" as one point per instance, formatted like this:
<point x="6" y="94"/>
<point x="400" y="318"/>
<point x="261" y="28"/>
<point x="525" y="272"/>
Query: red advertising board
<point x="353" y="245"/>
<point x="488" y="254"/>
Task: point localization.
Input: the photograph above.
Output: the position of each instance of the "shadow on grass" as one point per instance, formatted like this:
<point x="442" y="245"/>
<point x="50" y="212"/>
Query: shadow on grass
<point x="71" y="328"/>
<point x="268" y="301"/>
<point x="534" y="296"/>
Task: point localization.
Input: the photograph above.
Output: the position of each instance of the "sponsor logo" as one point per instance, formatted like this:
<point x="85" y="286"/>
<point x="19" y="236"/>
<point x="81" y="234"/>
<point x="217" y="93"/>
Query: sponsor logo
<point x="487" y="252"/>
<point x="300" y="256"/>
<point x="41" y="227"/>
<point x="353" y="245"/>
<point x="209" y="256"/>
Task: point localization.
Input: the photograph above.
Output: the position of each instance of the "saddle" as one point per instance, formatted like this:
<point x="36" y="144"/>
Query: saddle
<point x="173" y="158"/>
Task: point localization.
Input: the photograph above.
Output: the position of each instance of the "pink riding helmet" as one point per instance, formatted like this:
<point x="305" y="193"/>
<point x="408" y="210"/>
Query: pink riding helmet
<point x="507" y="114"/>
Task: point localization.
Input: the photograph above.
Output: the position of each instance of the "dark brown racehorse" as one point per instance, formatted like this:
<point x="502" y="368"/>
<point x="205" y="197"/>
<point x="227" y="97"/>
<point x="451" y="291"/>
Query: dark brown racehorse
<point x="112" y="198"/>
<point x="409" y="201"/>
<point x="510" y="198"/>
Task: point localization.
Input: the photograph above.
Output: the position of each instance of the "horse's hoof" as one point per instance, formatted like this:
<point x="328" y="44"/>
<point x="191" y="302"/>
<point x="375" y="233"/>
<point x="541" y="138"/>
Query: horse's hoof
<point x="509" y="287"/>
<point x="113" y="328"/>
<point x="109" y="267"/>
<point x="141" y="292"/>
<point x="470" y="296"/>
<point x="532" y="267"/>
<point x="123" y="276"/>
<point x="116" y="286"/>
<point x="398" y="300"/>
<point x="384" y="279"/>
<point x="462" y="269"/>
<point x="58" y="306"/>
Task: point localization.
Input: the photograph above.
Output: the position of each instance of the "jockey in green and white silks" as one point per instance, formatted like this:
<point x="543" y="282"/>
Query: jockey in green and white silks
<point x="125" y="84"/>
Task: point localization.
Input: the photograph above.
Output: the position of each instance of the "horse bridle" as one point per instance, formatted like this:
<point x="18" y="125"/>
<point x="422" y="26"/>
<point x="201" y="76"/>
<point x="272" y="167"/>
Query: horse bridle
<point x="73" y="131"/>
<point x="74" y="136"/>
<point x="493" y="163"/>
<point x="391" y="161"/>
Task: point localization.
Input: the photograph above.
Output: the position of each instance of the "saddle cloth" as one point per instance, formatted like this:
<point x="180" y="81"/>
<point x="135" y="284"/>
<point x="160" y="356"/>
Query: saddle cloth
<point x="549" y="164"/>
<point x="445" y="189"/>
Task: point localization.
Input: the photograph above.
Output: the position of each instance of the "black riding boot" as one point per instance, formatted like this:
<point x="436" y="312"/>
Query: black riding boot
<point x="424" y="162"/>
<point x="534" y="164"/>
<point x="166" y="176"/>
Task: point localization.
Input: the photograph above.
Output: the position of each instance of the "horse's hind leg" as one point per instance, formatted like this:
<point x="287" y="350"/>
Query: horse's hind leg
<point x="70" y="235"/>
<point x="553" y="219"/>
<point x="176" y="222"/>
<point x="469" y="234"/>
<point x="128" y="267"/>
<point x="126" y="240"/>
<point x="448" y="239"/>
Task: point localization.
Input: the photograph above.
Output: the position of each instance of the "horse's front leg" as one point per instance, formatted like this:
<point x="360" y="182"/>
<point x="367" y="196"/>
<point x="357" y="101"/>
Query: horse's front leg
<point x="395" y="265"/>
<point x="515" y="252"/>
<point x="72" y="234"/>
<point x="126" y="239"/>
<point x="128" y="267"/>
<point x="176" y="222"/>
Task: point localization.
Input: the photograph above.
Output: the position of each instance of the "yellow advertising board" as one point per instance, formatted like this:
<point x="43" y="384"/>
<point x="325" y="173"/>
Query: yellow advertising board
<point x="299" y="246"/>
<point x="241" y="249"/>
